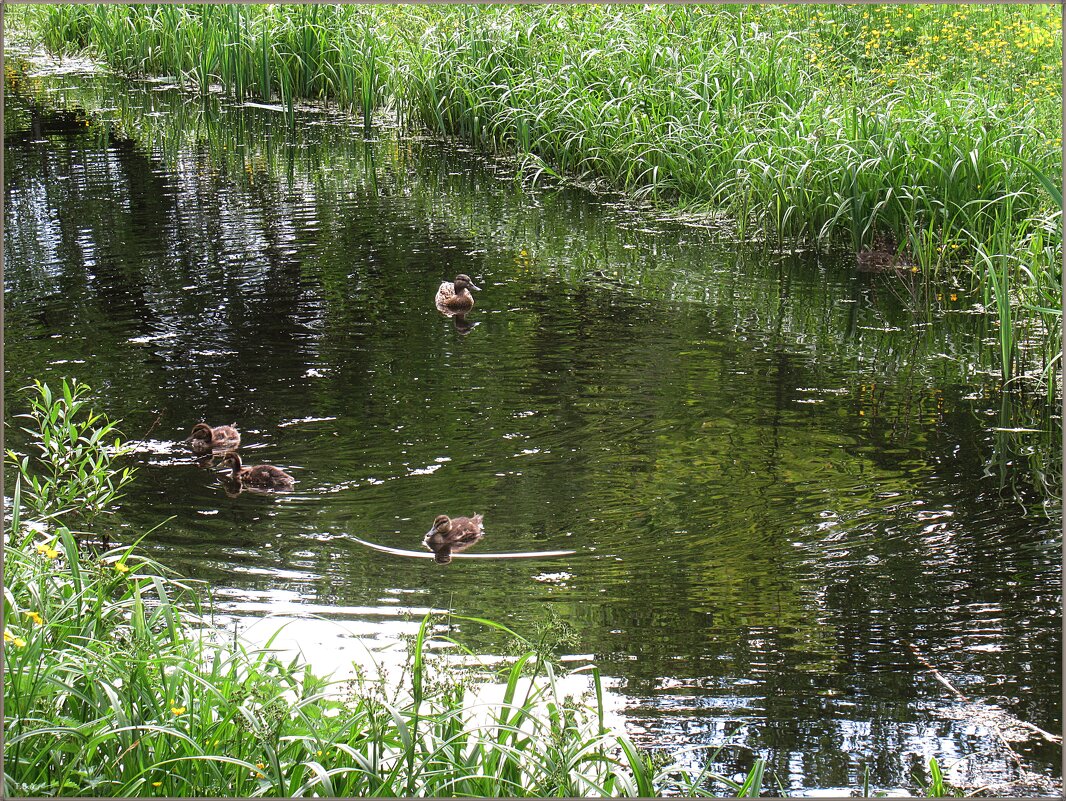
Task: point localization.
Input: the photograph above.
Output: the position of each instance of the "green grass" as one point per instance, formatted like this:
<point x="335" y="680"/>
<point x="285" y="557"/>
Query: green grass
<point x="110" y="689"/>
<point x="933" y="129"/>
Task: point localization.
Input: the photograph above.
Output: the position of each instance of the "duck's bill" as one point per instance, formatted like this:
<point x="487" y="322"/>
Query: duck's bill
<point x="475" y="286"/>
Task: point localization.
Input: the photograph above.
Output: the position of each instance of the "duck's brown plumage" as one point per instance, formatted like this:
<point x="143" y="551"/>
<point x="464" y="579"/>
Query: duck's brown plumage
<point x="455" y="296"/>
<point x="205" y="439"/>
<point x="451" y="535"/>
<point x="883" y="256"/>
<point x="264" y="476"/>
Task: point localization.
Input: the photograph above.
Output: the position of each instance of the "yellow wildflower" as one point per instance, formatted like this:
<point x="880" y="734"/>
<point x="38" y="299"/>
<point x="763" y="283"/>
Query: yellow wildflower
<point x="121" y="567"/>
<point x="157" y="784"/>
<point x="177" y="710"/>
<point x="36" y="618"/>
<point x="46" y="549"/>
<point x="18" y="642"/>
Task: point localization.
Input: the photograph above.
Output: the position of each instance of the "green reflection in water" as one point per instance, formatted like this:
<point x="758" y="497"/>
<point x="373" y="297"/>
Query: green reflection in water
<point x="772" y="471"/>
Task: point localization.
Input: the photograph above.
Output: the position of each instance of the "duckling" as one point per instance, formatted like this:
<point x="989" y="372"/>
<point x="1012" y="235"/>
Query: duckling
<point x="264" y="476"/>
<point x="451" y="535"/>
<point x="456" y="297"/>
<point x="205" y="439"/>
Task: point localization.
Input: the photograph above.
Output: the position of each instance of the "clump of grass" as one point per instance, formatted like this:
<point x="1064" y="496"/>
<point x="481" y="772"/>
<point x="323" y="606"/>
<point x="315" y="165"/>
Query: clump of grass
<point x="110" y="689"/>
<point x="115" y="685"/>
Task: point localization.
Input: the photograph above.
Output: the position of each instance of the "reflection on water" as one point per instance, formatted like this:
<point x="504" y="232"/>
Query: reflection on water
<point x="759" y="476"/>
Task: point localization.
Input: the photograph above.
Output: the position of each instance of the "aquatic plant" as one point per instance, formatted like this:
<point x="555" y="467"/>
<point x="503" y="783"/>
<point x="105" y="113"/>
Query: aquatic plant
<point x="116" y="686"/>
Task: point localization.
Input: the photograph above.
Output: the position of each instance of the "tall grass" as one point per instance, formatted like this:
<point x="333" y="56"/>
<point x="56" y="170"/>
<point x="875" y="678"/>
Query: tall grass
<point x="921" y="129"/>
<point x="115" y="684"/>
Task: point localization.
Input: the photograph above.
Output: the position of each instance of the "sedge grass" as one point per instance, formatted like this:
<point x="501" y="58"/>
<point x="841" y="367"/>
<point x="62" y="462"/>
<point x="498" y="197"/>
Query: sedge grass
<point x="111" y="690"/>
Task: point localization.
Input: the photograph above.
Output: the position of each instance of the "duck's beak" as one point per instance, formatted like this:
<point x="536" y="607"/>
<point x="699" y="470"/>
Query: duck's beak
<point x="475" y="286"/>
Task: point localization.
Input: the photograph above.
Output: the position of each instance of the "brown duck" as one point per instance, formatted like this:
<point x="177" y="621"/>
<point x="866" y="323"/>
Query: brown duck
<point x="263" y="476"/>
<point x="451" y="535"/>
<point x="205" y="439"/>
<point x="455" y="298"/>
<point x="883" y="256"/>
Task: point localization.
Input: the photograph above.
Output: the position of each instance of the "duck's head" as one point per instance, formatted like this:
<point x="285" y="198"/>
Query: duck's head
<point x="200" y="431"/>
<point x="462" y="281"/>
<point x="442" y="524"/>
<point x="231" y="459"/>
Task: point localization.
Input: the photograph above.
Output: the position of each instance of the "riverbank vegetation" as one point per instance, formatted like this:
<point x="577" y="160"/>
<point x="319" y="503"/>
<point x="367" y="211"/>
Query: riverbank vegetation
<point x="929" y="136"/>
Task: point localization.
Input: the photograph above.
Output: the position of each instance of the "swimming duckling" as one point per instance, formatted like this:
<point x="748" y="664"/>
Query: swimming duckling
<point x="264" y="476"/>
<point x="451" y="535"/>
<point x="456" y="297"/>
<point x="205" y="439"/>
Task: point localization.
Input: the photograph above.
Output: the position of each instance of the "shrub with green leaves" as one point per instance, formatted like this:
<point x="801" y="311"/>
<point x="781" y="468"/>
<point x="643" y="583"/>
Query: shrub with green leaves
<point x="73" y="474"/>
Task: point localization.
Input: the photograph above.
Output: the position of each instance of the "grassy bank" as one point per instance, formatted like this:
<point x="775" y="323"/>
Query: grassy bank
<point x="115" y="684"/>
<point x="931" y="133"/>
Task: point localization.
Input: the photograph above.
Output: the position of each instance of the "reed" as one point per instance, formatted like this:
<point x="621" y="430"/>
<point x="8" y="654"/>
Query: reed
<point x="925" y="128"/>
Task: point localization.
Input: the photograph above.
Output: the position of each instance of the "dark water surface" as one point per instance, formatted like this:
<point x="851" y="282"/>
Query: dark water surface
<point x="773" y="475"/>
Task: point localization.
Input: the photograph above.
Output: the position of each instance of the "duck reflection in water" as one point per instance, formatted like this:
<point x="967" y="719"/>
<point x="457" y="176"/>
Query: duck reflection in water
<point x="462" y="325"/>
<point x="452" y="535"/>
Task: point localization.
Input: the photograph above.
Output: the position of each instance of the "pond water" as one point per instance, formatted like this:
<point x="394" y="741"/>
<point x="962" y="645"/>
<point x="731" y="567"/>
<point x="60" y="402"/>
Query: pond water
<point x="777" y="479"/>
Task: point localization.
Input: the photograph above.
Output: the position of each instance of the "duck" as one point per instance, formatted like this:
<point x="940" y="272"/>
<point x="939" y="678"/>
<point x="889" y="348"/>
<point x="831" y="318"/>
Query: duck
<point x="263" y="476"/>
<point x="455" y="297"/>
<point x="452" y="534"/>
<point x="205" y="439"/>
<point x="883" y="256"/>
